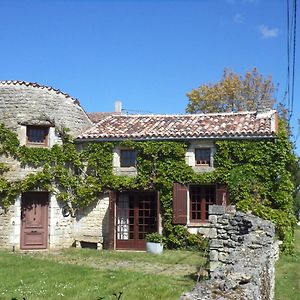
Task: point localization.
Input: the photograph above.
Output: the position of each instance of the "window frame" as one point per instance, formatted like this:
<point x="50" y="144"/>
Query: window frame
<point x="45" y="141"/>
<point x="209" y="164"/>
<point x="128" y="165"/>
<point x="202" y="207"/>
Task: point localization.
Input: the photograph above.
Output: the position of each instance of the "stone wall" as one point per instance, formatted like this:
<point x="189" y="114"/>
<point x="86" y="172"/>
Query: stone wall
<point x="23" y="102"/>
<point x="242" y="258"/>
<point x="92" y="223"/>
<point x="117" y="169"/>
<point x="190" y="155"/>
<point x="10" y="222"/>
<point x="89" y="225"/>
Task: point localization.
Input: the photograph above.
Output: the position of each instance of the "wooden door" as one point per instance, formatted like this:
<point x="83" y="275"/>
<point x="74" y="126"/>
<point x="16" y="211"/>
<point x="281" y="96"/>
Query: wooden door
<point x="136" y="216"/>
<point x="34" y="220"/>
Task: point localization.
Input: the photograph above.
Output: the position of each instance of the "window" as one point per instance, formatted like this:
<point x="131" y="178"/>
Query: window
<point x="128" y="158"/>
<point x="37" y="135"/>
<point x="202" y="157"/>
<point x="201" y="196"/>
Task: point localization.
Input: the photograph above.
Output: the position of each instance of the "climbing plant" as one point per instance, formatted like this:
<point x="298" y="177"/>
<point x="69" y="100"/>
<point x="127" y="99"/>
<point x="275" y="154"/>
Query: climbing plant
<point x="255" y="171"/>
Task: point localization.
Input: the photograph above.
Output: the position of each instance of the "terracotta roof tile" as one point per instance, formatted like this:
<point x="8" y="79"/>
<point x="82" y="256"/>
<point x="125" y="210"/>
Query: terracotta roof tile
<point x="96" y="117"/>
<point x="218" y="125"/>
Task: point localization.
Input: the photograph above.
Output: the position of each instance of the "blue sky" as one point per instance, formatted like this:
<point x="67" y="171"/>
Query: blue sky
<point x="148" y="54"/>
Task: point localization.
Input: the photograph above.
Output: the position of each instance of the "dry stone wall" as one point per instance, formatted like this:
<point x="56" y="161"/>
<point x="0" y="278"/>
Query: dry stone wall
<point x="242" y="258"/>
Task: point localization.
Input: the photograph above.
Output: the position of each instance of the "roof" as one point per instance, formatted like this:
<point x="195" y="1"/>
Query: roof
<point x="96" y="117"/>
<point x="188" y="126"/>
<point x="40" y="86"/>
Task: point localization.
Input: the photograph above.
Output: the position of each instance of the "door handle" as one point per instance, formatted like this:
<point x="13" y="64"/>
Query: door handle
<point x="33" y="231"/>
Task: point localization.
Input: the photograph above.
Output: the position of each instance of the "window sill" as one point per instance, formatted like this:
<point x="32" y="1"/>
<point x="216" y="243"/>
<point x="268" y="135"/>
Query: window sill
<point x="125" y="171"/>
<point x="199" y="224"/>
<point x="36" y="145"/>
<point x="203" y="168"/>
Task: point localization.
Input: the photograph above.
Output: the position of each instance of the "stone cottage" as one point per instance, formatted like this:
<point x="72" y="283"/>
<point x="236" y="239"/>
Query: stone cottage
<point x="37" y="114"/>
<point x="120" y="219"/>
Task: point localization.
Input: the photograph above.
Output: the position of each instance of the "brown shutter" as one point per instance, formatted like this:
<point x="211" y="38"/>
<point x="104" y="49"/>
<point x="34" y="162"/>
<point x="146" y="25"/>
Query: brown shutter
<point x="179" y="204"/>
<point x="221" y="195"/>
<point x="111" y="220"/>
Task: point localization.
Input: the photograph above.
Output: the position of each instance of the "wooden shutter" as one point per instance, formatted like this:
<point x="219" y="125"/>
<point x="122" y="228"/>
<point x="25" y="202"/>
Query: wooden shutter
<point x="221" y="195"/>
<point x="111" y="220"/>
<point x="179" y="204"/>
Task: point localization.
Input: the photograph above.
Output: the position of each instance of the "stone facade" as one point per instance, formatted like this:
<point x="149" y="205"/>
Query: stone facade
<point x="117" y="169"/>
<point x="10" y="224"/>
<point x="242" y="258"/>
<point x="23" y="104"/>
<point x="33" y="104"/>
<point x="89" y="225"/>
<point x="190" y="155"/>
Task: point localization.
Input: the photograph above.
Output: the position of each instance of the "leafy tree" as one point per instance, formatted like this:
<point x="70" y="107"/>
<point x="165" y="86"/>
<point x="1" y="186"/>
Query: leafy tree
<point x="233" y="93"/>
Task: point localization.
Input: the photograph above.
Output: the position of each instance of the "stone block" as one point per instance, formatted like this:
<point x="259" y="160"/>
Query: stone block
<point x="212" y="233"/>
<point x="213" y="255"/>
<point x="230" y="244"/>
<point x="234" y="237"/>
<point x="223" y="256"/>
<point x="213" y="265"/>
<point x="224" y="221"/>
<point x="213" y="219"/>
<point x="216" y="209"/>
<point x="223" y="236"/>
<point x="216" y="244"/>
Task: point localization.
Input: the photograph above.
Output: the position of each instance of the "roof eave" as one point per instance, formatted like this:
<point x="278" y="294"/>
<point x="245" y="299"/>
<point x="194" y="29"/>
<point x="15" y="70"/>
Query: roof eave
<point x="181" y="138"/>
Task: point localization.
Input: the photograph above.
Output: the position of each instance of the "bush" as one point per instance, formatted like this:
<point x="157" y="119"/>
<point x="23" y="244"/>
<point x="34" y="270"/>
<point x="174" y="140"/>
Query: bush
<point x="154" y="237"/>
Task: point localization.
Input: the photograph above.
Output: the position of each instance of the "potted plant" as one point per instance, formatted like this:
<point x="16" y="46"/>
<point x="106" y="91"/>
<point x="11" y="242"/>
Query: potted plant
<point x="154" y="243"/>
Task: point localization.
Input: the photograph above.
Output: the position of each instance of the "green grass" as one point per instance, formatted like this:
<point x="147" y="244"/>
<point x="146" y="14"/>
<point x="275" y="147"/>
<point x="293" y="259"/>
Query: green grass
<point x="90" y="274"/>
<point x="288" y="274"/>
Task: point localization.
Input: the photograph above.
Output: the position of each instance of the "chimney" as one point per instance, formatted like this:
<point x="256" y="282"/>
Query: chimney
<point x="118" y="107"/>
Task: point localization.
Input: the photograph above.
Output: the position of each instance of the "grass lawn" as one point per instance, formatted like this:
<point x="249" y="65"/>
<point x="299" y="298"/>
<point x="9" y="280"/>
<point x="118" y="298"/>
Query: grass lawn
<point x="91" y="274"/>
<point x="288" y="274"/>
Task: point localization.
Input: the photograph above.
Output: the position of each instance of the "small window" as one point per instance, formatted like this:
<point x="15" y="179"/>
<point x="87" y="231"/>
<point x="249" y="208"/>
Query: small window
<point x="202" y="156"/>
<point x="201" y="196"/>
<point x="37" y="135"/>
<point x="128" y="158"/>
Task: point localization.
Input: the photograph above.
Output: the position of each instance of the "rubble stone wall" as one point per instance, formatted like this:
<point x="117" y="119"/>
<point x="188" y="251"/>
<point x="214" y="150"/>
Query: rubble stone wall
<point x="242" y="258"/>
<point x="25" y="102"/>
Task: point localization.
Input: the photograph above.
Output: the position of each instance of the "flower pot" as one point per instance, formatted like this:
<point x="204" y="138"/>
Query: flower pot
<point x="154" y="248"/>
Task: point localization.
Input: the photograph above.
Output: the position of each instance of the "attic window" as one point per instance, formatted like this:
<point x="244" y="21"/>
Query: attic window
<point x="37" y="135"/>
<point x="202" y="156"/>
<point x="128" y="158"/>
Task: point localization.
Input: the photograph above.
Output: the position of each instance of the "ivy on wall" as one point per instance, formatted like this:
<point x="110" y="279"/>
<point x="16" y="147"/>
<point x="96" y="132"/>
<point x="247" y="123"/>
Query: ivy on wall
<point x="256" y="173"/>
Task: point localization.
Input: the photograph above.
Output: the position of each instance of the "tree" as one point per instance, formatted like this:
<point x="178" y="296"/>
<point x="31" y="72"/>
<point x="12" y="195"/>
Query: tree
<point x="233" y="93"/>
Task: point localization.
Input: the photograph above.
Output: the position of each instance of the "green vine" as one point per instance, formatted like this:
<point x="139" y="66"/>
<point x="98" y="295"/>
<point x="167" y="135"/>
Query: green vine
<point x="256" y="173"/>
